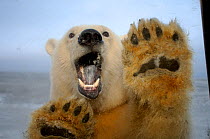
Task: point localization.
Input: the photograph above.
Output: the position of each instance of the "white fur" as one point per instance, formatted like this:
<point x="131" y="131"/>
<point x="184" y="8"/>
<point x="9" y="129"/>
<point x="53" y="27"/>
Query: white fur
<point x="64" y="80"/>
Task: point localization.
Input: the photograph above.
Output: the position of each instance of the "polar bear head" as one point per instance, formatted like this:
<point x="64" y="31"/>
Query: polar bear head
<point x="86" y="63"/>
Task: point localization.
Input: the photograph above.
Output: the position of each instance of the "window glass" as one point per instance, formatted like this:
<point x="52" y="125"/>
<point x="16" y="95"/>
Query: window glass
<point x="24" y="64"/>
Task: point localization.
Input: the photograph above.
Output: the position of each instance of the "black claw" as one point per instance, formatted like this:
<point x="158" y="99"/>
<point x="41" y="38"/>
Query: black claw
<point x="52" y="108"/>
<point x="77" y="110"/>
<point x="175" y="37"/>
<point x="146" y="34"/>
<point x="134" y="39"/>
<point x="86" y="118"/>
<point x="66" y="107"/>
<point x="159" y="32"/>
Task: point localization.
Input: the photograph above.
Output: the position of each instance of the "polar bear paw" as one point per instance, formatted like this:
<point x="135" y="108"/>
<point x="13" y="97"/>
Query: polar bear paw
<point x="157" y="60"/>
<point x="62" y="119"/>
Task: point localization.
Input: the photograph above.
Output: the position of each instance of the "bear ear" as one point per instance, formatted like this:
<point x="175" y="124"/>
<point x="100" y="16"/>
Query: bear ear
<point x="50" y="46"/>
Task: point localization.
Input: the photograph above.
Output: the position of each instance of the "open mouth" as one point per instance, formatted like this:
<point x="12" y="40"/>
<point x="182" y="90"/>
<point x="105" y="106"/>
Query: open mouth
<point x="160" y="62"/>
<point x="89" y="74"/>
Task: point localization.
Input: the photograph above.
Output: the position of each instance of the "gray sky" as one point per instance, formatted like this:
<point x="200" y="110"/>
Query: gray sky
<point x="26" y="25"/>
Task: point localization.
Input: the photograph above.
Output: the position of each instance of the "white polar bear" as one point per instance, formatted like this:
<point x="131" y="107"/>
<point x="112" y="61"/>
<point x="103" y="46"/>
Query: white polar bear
<point x="64" y="74"/>
<point x="104" y="88"/>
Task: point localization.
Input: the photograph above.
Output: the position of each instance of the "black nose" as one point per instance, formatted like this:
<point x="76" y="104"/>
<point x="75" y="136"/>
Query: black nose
<point x="89" y="37"/>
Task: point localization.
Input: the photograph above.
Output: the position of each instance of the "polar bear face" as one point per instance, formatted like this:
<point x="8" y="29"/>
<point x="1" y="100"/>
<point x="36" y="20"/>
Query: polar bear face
<point x="87" y="62"/>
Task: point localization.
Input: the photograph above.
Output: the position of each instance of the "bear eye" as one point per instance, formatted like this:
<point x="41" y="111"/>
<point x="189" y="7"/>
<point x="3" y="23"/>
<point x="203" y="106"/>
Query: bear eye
<point x="71" y="35"/>
<point x="106" y="34"/>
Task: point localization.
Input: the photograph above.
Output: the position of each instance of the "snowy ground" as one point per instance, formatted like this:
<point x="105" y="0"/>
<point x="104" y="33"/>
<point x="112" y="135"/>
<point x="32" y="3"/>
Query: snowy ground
<point x="20" y="95"/>
<point x="200" y="110"/>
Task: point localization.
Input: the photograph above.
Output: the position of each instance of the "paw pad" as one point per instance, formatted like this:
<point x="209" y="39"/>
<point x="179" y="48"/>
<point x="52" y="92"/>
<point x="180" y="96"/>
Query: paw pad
<point x="77" y="110"/>
<point x="175" y="37"/>
<point x="86" y="118"/>
<point x="146" y="66"/>
<point x="159" y="31"/>
<point x="52" y="108"/>
<point x="66" y="106"/>
<point x="169" y="64"/>
<point x="134" y="39"/>
<point x="146" y="34"/>
<point x="159" y="62"/>
<point x="55" y="131"/>
<point x="63" y="119"/>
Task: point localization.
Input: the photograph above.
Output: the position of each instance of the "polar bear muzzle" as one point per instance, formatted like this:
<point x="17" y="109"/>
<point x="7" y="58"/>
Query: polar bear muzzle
<point x="89" y="74"/>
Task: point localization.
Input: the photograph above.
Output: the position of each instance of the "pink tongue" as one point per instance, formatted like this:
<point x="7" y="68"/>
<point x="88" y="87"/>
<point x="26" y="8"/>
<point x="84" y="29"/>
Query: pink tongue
<point x="90" y="74"/>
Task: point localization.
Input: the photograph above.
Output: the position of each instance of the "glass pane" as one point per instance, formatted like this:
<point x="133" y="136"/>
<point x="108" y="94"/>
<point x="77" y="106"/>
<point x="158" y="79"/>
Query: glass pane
<point x="24" y="64"/>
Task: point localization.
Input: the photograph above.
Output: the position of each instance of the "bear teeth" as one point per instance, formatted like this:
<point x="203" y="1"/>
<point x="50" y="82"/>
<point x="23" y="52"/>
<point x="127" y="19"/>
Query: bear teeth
<point x="96" y="83"/>
<point x="89" y="87"/>
<point x="81" y="83"/>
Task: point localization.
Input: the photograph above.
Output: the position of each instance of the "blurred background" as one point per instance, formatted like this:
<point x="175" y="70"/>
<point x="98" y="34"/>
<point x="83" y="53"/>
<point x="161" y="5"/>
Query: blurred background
<point x="27" y="25"/>
<point x="24" y="65"/>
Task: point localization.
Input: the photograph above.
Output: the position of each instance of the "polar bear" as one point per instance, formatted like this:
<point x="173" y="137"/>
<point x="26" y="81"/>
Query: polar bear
<point x="105" y="87"/>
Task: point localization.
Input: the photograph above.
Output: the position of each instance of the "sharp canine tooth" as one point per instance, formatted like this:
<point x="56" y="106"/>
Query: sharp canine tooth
<point x="96" y="83"/>
<point x="82" y="70"/>
<point x="89" y="86"/>
<point x="81" y="83"/>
